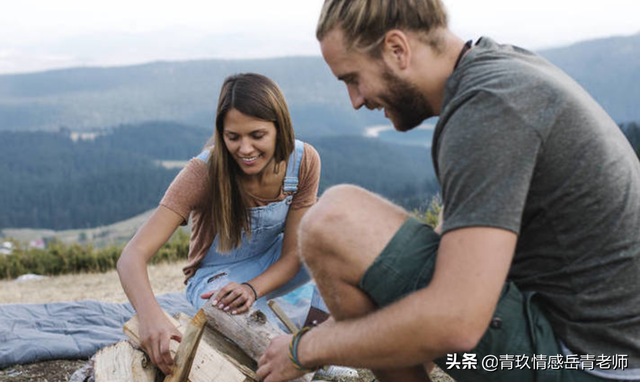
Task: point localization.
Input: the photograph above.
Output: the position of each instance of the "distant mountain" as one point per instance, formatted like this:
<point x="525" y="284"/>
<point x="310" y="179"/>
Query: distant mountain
<point x="185" y="92"/>
<point x="609" y="69"/>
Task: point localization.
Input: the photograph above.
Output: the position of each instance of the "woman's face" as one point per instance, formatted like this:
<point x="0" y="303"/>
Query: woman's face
<point x="251" y="141"/>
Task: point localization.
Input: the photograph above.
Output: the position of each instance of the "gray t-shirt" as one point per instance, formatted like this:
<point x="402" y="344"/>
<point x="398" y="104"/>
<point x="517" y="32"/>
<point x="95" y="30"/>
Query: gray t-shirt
<point x="521" y="146"/>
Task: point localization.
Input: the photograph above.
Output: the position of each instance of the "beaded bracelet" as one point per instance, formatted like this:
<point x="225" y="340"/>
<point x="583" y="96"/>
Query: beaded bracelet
<point x="293" y="351"/>
<point x="255" y="294"/>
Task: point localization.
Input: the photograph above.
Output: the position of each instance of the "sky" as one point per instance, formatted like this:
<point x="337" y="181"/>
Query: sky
<point x="40" y="35"/>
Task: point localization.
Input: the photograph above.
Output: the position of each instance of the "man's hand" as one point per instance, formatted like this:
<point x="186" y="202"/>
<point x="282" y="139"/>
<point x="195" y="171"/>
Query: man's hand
<point x="275" y="365"/>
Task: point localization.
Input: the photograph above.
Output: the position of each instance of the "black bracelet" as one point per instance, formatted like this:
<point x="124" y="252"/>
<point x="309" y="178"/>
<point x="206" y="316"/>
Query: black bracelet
<point x="255" y="294"/>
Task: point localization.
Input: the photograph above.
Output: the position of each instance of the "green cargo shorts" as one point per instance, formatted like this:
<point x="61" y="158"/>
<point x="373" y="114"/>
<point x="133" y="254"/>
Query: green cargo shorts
<point x="518" y="331"/>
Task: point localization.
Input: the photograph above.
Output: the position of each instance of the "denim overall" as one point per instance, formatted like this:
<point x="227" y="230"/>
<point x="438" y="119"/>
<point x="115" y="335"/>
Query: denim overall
<point x="254" y="256"/>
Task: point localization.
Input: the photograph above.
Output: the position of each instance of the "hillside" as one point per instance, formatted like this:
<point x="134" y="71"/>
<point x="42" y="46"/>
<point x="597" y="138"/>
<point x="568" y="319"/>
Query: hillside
<point x="609" y="69"/>
<point x="52" y="182"/>
<point x="49" y="181"/>
<point x="99" y="237"/>
<point x="187" y="92"/>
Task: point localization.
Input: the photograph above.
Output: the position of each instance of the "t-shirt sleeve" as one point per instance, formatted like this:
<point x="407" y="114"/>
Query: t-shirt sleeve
<point x="188" y="190"/>
<point x="308" y="179"/>
<point x="486" y="159"/>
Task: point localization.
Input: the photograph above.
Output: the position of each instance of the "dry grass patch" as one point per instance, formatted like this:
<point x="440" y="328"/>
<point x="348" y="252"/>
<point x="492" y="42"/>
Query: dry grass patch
<point x="165" y="278"/>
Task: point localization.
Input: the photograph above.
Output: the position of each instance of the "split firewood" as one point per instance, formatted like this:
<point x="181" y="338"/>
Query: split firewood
<point x="226" y="348"/>
<point x="186" y="353"/>
<point x="121" y="362"/>
<point x="208" y="365"/>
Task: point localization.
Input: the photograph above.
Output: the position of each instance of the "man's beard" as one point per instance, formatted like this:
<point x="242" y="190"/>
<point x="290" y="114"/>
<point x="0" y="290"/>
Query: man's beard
<point x="404" y="101"/>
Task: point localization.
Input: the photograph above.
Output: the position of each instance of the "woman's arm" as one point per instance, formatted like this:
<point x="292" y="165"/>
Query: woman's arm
<point x="238" y="298"/>
<point x="155" y="329"/>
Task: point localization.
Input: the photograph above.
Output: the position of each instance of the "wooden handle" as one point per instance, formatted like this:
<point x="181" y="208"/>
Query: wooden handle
<point x="275" y="308"/>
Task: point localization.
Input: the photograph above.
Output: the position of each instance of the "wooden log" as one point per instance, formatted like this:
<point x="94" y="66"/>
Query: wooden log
<point x="121" y="362"/>
<point x="208" y="365"/>
<point x="251" y="331"/>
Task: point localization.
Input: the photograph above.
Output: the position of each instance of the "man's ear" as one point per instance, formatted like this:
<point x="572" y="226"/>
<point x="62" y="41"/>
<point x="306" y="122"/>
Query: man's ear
<point x="396" y="50"/>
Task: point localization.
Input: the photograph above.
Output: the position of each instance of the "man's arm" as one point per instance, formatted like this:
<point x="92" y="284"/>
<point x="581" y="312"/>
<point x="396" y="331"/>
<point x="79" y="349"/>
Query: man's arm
<point x="449" y="315"/>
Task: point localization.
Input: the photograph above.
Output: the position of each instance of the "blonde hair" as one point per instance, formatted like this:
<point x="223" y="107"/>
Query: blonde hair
<point x="256" y="96"/>
<point x="364" y="23"/>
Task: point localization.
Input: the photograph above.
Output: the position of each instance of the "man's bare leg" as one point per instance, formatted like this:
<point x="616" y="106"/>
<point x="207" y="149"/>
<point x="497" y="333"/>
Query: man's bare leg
<point x="340" y="237"/>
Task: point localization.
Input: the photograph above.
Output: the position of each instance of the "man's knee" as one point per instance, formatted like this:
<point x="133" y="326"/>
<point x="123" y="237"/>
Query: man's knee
<point x="334" y="199"/>
<point x="349" y="224"/>
<point x="324" y="221"/>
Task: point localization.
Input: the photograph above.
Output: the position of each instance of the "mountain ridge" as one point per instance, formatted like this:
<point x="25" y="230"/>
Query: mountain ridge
<point x="608" y="68"/>
<point x="186" y="91"/>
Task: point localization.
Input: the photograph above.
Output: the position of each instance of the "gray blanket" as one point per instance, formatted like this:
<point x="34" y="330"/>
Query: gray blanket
<point x="68" y="330"/>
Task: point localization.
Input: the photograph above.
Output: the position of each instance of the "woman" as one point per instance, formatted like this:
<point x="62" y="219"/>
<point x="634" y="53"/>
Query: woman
<point x="246" y="196"/>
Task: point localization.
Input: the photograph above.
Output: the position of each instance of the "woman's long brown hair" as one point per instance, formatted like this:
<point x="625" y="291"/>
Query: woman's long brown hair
<point x="256" y="96"/>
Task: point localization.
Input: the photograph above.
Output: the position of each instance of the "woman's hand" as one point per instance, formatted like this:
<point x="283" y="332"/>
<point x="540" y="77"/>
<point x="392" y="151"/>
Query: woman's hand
<point x="235" y="297"/>
<point x="155" y="335"/>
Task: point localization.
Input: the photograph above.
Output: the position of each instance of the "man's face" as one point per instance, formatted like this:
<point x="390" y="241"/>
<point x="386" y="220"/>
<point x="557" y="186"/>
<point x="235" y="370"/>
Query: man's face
<point x="405" y="105"/>
<point x="371" y="83"/>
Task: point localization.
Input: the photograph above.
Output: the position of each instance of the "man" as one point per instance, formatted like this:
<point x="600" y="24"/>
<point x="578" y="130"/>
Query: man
<point x="538" y="264"/>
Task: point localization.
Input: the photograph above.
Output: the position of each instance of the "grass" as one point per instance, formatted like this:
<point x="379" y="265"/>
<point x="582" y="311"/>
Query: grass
<point x="165" y="278"/>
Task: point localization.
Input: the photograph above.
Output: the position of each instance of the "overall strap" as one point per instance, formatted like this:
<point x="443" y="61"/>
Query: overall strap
<point x="293" y="167"/>
<point x="204" y="155"/>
